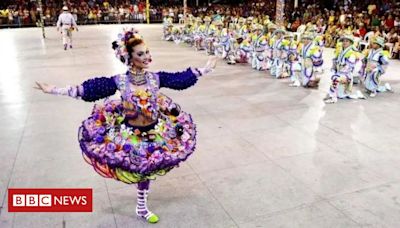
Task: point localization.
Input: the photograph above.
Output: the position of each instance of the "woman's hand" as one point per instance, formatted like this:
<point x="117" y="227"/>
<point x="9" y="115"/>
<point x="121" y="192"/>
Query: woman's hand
<point x="211" y="63"/>
<point x="44" y="87"/>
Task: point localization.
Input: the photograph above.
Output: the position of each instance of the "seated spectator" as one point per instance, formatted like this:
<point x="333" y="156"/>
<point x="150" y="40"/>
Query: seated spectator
<point x="375" y="21"/>
<point x="377" y="31"/>
<point x="361" y="31"/>
<point x="397" y="22"/>
<point x="389" y="23"/>
<point x="396" y="49"/>
<point x="295" y="24"/>
<point x="390" y="36"/>
<point x="391" y="39"/>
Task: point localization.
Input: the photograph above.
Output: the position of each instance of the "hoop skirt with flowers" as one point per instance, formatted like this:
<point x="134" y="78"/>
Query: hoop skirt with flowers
<point x="129" y="154"/>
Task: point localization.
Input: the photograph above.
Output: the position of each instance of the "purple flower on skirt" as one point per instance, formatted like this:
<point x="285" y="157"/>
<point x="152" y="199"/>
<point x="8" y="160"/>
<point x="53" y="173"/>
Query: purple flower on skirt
<point x="135" y="160"/>
<point x="111" y="147"/>
<point x="125" y="165"/>
<point x="151" y="148"/>
<point x="127" y="147"/>
<point x="99" y="139"/>
<point x="101" y="130"/>
<point x="108" y="108"/>
<point x="133" y="167"/>
<point x="112" y="162"/>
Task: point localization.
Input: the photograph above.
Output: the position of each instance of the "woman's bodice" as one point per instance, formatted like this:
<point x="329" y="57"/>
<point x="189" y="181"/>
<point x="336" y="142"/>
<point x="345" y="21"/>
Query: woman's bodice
<point x="139" y="100"/>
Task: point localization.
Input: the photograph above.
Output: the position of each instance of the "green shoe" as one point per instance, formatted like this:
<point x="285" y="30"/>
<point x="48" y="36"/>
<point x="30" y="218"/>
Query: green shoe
<point x="152" y="218"/>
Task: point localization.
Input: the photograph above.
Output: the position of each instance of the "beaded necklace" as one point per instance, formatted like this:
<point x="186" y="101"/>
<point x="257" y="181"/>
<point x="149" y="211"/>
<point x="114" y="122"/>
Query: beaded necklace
<point x="137" y="77"/>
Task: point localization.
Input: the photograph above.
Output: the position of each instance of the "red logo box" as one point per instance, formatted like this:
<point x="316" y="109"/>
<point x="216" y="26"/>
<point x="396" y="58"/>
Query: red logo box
<point x="50" y="200"/>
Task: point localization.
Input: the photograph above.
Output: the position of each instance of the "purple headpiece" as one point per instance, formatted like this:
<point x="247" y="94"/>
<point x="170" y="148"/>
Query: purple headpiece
<point x="119" y="45"/>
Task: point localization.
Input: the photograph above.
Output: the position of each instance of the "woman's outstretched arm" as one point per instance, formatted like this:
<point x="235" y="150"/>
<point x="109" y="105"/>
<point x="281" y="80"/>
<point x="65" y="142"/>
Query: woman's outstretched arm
<point x="185" y="79"/>
<point x="90" y="90"/>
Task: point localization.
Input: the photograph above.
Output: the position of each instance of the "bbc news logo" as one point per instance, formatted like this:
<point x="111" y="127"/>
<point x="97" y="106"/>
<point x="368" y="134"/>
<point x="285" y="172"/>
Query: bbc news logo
<point x="50" y="200"/>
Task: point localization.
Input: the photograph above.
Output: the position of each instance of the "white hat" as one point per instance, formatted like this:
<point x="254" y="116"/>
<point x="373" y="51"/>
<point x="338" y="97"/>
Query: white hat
<point x="307" y="36"/>
<point x="379" y="40"/>
<point x="347" y="37"/>
<point x="65" y="8"/>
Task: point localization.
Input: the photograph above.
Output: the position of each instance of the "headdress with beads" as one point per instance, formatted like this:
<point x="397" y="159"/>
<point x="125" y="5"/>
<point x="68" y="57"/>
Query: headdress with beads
<point x="119" y="45"/>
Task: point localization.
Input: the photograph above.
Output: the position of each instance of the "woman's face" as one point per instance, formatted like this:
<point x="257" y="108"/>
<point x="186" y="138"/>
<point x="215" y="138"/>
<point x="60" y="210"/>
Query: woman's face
<point x="141" y="57"/>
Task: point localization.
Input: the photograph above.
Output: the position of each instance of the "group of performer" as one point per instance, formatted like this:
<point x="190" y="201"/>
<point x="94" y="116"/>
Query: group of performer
<point x="268" y="47"/>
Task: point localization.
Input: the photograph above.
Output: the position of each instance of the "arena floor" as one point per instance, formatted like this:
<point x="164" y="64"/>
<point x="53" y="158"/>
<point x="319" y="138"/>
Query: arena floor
<point x="268" y="155"/>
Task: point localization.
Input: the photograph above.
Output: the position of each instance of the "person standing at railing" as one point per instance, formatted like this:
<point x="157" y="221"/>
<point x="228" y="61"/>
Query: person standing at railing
<point x="67" y="24"/>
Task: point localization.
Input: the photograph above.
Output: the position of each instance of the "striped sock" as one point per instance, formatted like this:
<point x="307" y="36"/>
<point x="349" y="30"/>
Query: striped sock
<point x="141" y="208"/>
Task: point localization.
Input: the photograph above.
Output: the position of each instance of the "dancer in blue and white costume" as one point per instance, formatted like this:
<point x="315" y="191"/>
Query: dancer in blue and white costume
<point x="213" y="34"/>
<point x="277" y="53"/>
<point x="187" y="35"/>
<point x="343" y="71"/>
<point x="200" y="34"/>
<point x="167" y="29"/>
<point x="268" y="49"/>
<point x="376" y="61"/>
<point x="320" y="42"/>
<point x="259" y="45"/>
<point x="309" y="58"/>
<point x="292" y="66"/>
<point x="226" y="46"/>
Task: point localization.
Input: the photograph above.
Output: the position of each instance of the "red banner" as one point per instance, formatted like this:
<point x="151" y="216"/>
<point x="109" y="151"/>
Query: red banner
<point x="50" y="200"/>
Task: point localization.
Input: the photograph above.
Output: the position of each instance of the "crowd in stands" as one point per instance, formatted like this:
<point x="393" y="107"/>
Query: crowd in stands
<point x="25" y="12"/>
<point x="362" y="18"/>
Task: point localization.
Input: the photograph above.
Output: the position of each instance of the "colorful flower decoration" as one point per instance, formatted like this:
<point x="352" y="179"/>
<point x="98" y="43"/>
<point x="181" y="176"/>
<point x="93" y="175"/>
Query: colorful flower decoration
<point x="118" y="151"/>
<point x="119" y="45"/>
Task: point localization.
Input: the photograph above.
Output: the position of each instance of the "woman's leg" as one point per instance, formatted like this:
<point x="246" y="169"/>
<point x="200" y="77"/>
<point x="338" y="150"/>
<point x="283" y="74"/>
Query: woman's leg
<point x="141" y="208"/>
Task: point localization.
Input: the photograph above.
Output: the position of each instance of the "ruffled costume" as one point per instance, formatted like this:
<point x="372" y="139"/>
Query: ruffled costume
<point x="129" y="153"/>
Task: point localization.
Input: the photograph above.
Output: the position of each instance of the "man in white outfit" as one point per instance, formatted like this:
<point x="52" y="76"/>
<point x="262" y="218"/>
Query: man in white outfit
<point x="67" y="23"/>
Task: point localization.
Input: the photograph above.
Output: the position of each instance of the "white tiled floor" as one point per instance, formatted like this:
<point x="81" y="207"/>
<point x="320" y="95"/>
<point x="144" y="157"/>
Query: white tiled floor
<point x="268" y="155"/>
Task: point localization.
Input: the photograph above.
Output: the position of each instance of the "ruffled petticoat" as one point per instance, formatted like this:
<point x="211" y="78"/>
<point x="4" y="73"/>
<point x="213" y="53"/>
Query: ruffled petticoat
<point x="131" y="155"/>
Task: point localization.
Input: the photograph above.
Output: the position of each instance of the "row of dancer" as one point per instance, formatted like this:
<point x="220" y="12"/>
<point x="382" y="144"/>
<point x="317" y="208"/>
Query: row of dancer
<point x="268" y="47"/>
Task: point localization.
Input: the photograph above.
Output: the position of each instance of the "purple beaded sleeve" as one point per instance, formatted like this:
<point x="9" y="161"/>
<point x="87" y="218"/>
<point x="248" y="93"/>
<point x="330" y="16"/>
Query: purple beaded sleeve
<point x="98" y="88"/>
<point x="179" y="80"/>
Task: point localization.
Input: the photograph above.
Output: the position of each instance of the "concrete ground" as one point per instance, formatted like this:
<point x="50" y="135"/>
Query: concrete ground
<point x="268" y="155"/>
